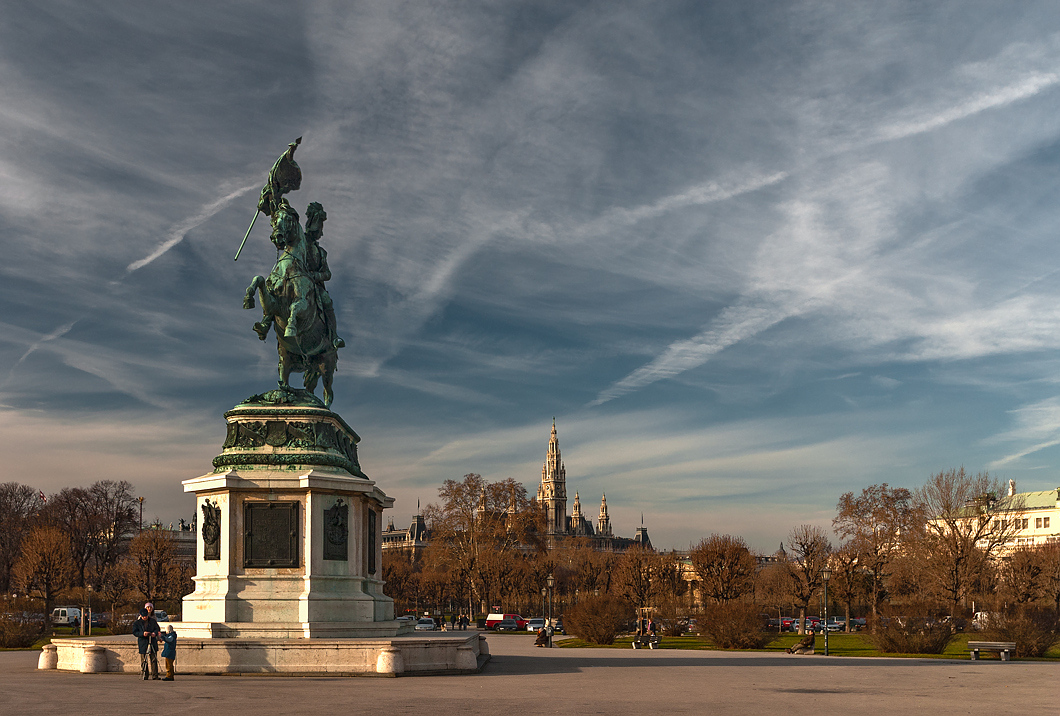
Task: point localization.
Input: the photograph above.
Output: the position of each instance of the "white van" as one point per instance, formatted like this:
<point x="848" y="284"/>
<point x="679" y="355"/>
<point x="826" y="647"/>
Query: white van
<point x="66" y="616"/>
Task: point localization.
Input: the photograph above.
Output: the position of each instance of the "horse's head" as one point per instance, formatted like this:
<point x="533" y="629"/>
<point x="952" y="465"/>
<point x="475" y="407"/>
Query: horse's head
<point x="286" y="231"/>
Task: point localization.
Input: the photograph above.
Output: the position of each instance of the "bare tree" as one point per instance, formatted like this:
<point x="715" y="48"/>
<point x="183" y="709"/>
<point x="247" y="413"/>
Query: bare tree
<point x="875" y="522"/>
<point x="71" y="510"/>
<point x="635" y="576"/>
<point x="1050" y="554"/>
<point x="152" y="554"/>
<point x="848" y="578"/>
<point x="965" y="524"/>
<point x="115" y="583"/>
<point x="115" y="505"/>
<point x="725" y="566"/>
<point x="44" y="567"/>
<point x="18" y="506"/>
<point x="1022" y="575"/>
<point x="810" y="548"/>
<point x="479" y="524"/>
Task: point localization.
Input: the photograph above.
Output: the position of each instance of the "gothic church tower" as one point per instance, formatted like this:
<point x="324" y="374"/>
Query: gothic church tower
<point x="552" y="493"/>
<point x="603" y="524"/>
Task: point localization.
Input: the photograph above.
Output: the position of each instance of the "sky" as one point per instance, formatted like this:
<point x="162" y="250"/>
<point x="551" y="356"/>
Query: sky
<point x="749" y="255"/>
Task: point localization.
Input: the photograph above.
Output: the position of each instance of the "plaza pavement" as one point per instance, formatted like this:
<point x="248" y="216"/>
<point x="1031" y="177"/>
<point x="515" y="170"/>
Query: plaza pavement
<point x="524" y="680"/>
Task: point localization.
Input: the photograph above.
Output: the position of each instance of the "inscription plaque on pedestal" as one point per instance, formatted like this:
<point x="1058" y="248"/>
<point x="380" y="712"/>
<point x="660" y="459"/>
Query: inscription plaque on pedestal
<point x="271" y="534"/>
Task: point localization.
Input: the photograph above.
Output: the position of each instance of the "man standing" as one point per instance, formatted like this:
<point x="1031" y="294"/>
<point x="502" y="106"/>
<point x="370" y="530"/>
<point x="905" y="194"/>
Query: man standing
<point x="146" y="631"/>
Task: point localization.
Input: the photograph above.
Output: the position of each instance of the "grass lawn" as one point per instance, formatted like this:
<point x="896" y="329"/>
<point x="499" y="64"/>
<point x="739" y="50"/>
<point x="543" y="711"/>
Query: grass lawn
<point x="839" y="644"/>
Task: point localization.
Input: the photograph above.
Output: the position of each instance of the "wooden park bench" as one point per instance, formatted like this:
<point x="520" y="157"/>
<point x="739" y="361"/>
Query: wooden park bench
<point x="1004" y="648"/>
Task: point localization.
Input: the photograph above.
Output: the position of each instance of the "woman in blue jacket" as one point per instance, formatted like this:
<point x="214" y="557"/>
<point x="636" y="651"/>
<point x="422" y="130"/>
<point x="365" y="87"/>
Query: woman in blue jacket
<point x="169" y="650"/>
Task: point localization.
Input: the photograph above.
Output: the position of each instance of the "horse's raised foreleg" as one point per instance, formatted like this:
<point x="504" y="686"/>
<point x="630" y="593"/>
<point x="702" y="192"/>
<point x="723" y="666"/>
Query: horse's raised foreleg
<point x="268" y="307"/>
<point x="255" y="285"/>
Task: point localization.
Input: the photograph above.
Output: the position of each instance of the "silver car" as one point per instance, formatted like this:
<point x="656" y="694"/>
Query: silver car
<point x="426" y="624"/>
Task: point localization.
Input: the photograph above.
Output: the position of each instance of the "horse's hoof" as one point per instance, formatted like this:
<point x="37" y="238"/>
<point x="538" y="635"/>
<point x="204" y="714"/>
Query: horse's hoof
<point x="339" y="343"/>
<point x="262" y="330"/>
<point x="248" y="302"/>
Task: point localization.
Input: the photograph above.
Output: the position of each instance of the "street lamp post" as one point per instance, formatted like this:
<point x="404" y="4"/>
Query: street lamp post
<point x="141" y="513"/>
<point x="544" y="593"/>
<point x="826" y="574"/>
<point x="86" y="615"/>
<point x="551" y="582"/>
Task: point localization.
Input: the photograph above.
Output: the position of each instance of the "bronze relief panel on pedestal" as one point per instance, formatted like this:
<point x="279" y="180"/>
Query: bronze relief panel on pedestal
<point x="271" y="535"/>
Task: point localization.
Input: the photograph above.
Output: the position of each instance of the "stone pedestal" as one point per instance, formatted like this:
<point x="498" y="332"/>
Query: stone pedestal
<point x="289" y="534"/>
<point x="288" y="563"/>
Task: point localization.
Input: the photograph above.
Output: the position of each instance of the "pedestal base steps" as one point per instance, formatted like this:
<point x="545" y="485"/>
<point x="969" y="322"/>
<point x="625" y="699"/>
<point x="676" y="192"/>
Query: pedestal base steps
<point x="397" y="656"/>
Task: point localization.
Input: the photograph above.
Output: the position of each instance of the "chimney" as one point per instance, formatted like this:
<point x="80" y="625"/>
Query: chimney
<point x="1011" y="488"/>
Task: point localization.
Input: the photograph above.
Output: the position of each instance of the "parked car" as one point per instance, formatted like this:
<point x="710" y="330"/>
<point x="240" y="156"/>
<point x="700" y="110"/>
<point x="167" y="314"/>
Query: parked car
<point x="535" y="625"/>
<point x="407" y="619"/>
<point x="507" y="625"/>
<point x="161" y="615"/>
<point x="493" y="619"/>
<point x="426" y="624"/>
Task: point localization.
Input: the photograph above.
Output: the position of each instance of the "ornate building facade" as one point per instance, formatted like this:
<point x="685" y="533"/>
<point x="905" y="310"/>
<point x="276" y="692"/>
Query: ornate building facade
<point x="552" y="498"/>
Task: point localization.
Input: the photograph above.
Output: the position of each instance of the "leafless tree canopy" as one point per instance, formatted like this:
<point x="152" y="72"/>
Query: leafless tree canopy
<point x="18" y="506"/>
<point x="809" y="553"/>
<point x="875" y="523"/>
<point x="965" y="522"/>
<point x="725" y="567"/>
<point x="44" y="567"/>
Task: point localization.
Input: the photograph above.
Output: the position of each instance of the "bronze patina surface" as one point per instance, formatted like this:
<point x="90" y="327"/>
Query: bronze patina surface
<point x="294" y="300"/>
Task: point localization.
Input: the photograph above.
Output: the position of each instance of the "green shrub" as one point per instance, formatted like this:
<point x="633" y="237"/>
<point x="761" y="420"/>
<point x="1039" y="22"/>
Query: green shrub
<point x="734" y="625"/>
<point x="1033" y="630"/>
<point x="598" y="620"/>
<point x="18" y="635"/>
<point x="911" y="635"/>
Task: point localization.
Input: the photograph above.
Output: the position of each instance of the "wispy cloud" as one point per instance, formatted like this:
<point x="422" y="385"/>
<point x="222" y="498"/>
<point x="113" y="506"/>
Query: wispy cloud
<point x="178" y="232"/>
<point x="57" y="333"/>
<point x="735" y="324"/>
<point x="1037" y="427"/>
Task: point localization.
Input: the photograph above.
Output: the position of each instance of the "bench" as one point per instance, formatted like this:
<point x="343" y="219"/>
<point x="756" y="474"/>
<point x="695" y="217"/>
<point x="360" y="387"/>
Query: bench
<point x="1004" y="648"/>
<point x="645" y="640"/>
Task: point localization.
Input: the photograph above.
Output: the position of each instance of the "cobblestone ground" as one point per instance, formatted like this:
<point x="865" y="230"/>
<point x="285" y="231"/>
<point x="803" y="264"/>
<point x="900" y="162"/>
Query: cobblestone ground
<point x="525" y="681"/>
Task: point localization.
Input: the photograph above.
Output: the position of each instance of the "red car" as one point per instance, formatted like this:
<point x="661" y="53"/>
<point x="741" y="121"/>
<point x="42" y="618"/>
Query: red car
<point x="493" y="619"/>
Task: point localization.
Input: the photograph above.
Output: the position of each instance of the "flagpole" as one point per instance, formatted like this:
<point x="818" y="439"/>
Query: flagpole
<point x="273" y="189"/>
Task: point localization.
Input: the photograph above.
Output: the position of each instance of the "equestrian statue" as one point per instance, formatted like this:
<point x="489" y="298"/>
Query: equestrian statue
<point x="294" y="300"/>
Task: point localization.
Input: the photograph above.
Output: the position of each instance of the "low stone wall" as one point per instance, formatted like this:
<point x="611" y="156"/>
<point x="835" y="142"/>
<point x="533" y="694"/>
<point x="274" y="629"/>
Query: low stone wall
<point x="420" y="654"/>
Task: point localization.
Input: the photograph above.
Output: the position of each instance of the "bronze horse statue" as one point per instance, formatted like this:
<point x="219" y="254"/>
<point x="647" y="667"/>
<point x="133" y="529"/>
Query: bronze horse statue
<point x="291" y="301"/>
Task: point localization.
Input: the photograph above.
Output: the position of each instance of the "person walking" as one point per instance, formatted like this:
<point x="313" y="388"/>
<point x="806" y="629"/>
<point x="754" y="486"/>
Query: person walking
<point x="145" y="629"/>
<point x="169" y="651"/>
